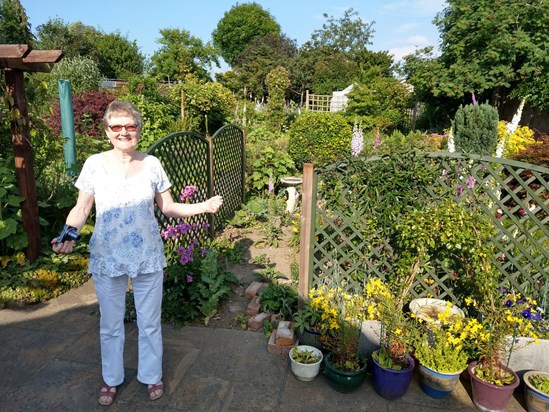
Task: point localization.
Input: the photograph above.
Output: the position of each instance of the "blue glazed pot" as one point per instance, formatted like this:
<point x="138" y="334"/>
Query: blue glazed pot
<point x="437" y="384"/>
<point x="392" y="384"/>
<point x="536" y="400"/>
<point x="343" y="381"/>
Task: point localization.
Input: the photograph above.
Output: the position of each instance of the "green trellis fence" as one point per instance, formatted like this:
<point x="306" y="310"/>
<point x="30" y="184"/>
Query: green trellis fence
<point x="214" y="165"/>
<point x="514" y="195"/>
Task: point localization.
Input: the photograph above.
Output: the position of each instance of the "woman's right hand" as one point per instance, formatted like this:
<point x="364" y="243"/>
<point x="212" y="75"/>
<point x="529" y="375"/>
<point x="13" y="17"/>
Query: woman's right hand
<point x="66" y="247"/>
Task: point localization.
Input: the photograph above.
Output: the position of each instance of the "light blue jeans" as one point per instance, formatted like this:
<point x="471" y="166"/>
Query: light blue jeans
<point x="111" y="295"/>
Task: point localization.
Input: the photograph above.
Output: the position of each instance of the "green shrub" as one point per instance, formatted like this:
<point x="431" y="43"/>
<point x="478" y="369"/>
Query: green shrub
<point x="12" y="236"/>
<point x="270" y="165"/>
<point x="279" y="299"/>
<point x="194" y="290"/>
<point x="476" y="129"/>
<point x="319" y="138"/>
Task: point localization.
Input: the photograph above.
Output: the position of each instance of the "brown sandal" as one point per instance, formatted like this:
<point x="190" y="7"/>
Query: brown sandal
<point x="152" y="391"/>
<point x="107" y="392"/>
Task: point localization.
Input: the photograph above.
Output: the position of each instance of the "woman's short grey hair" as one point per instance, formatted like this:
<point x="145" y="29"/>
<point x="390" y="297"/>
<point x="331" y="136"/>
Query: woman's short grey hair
<point x="118" y="107"/>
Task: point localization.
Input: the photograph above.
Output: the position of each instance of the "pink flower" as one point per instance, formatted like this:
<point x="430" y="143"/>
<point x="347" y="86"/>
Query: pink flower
<point x="189" y="279"/>
<point x="188" y="193"/>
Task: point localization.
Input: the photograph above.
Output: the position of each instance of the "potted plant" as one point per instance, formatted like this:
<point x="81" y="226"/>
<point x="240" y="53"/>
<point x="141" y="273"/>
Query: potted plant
<point x="442" y="351"/>
<point x="392" y="364"/>
<point x="503" y="315"/>
<point x="536" y="390"/>
<point x="305" y="362"/>
<point x="307" y="322"/>
<point x="341" y="320"/>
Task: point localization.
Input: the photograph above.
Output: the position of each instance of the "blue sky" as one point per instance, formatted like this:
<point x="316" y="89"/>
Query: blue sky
<point x="400" y="25"/>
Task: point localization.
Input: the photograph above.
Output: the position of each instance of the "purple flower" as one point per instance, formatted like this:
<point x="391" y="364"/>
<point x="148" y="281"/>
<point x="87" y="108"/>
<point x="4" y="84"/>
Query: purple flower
<point x="474" y="99"/>
<point x="377" y="142"/>
<point x="271" y="185"/>
<point x="471" y="182"/>
<point x="189" y="279"/>
<point x="509" y="303"/>
<point x="460" y="190"/>
<point x="536" y="317"/>
<point x="204" y="251"/>
<point x="188" y="193"/>
<point x="526" y="313"/>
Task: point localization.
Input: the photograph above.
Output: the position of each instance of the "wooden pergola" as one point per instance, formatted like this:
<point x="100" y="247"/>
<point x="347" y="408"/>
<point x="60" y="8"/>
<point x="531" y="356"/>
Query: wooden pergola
<point x="15" y="60"/>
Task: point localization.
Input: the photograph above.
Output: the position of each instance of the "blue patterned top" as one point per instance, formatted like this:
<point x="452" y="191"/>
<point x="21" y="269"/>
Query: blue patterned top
<point x="126" y="238"/>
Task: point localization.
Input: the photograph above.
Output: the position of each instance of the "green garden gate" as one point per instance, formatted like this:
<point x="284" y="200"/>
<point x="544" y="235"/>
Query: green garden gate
<point x="214" y="165"/>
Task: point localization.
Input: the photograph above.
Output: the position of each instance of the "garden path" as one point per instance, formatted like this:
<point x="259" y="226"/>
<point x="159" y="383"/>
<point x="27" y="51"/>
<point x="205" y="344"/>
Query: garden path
<point x="232" y="312"/>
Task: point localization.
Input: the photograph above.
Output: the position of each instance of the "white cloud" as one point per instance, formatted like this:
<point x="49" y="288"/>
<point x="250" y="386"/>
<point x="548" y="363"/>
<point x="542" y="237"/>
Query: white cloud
<point x="418" y="40"/>
<point x="409" y="45"/>
<point x="405" y="27"/>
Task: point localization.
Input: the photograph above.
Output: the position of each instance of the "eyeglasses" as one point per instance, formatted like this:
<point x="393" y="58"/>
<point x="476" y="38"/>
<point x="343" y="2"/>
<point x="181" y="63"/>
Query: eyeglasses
<point x="118" y="128"/>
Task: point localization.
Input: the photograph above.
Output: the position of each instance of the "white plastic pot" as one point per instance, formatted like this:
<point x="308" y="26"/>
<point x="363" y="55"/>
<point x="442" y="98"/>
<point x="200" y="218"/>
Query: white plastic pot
<point x="306" y="371"/>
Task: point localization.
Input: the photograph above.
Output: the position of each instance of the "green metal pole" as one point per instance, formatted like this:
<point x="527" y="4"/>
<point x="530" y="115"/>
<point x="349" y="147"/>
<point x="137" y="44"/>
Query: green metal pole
<point x="67" y="125"/>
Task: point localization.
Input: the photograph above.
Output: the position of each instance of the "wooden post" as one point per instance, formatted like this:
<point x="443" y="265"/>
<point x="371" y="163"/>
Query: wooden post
<point x="306" y="232"/>
<point x="24" y="170"/>
<point x="16" y="59"/>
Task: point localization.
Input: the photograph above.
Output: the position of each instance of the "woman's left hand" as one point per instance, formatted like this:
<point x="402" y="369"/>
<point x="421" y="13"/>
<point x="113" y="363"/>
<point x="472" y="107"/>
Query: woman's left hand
<point x="213" y="204"/>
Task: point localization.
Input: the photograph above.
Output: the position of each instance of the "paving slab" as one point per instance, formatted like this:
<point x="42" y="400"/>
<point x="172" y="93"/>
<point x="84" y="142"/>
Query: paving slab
<point x="49" y="356"/>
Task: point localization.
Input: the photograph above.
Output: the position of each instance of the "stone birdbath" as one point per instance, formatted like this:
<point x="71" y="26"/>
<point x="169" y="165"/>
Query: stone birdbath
<point x="291" y="182"/>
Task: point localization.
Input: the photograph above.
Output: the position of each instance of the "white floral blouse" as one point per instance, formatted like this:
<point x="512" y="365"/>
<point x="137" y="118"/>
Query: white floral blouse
<point x="126" y="238"/>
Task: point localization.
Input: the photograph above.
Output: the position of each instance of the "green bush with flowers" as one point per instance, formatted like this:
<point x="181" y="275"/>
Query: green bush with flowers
<point x="340" y="323"/>
<point x="446" y="345"/>
<point x="515" y="142"/>
<point x="503" y="315"/>
<point x="397" y="334"/>
<point x="195" y="281"/>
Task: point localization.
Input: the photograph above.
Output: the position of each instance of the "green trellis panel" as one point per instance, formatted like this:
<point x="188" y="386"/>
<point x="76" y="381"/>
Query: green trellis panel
<point x="513" y="194"/>
<point x="214" y="165"/>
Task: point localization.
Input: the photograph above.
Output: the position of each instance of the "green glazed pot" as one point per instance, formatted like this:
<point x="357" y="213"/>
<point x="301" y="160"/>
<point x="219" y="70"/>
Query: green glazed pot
<point x="343" y="381"/>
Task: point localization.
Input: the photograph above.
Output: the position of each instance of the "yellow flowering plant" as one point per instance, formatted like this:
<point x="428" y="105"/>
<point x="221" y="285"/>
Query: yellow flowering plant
<point x="503" y="316"/>
<point x="446" y="345"/>
<point x="397" y="333"/>
<point x="341" y="319"/>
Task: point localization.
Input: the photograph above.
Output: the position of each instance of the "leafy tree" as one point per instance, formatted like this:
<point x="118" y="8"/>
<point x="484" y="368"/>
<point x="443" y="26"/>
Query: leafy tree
<point x="337" y="55"/>
<point x="382" y="103"/>
<point x="277" y="83"/>
<point x="119" y="58"/>
<point x="75" y="39"/>
<point x="239" y="26"/>
<point x="14" y="24"/>
<point x="346" y="34"/>
<point x="82" y="72"/>
<point x="115" y="56"/>
<point x="333" y="71"/>
<point x="182" y="54"/>
<point x="261" y="56"/>
<point x="490" y="48"/>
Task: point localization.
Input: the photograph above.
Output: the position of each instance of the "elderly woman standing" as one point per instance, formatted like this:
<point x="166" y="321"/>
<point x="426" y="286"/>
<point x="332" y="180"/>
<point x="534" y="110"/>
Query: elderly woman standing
<point x="124" y="184"/>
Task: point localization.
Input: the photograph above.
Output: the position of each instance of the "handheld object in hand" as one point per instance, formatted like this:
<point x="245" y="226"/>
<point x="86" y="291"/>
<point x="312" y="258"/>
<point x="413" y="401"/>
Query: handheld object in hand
<point x="68" y="233"/>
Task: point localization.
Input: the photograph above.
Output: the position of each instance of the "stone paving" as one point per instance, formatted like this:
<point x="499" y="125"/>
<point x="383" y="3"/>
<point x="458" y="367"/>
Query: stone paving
<point x="49" y="357"/>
